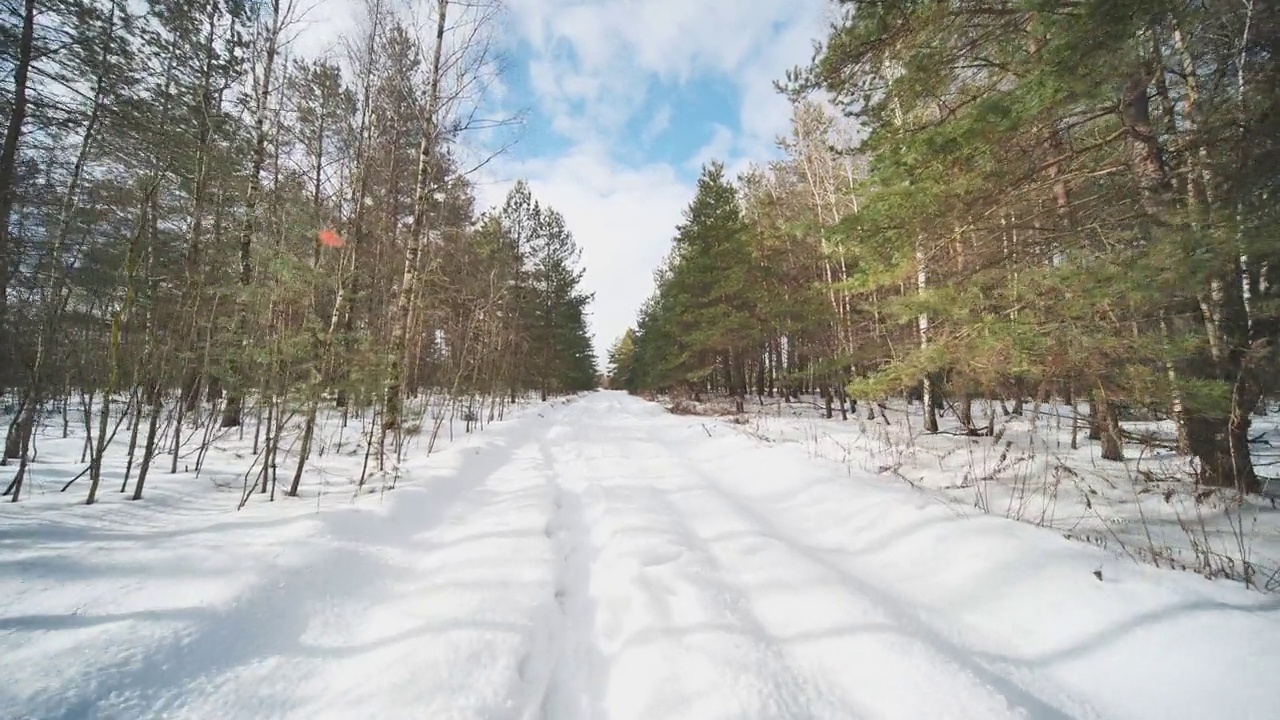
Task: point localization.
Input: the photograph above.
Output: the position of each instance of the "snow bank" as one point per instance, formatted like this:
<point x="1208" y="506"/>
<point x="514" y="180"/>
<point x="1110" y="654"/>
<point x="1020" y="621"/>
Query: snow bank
<point x="1112" y="639"/>
<point x="1145" y="508"/>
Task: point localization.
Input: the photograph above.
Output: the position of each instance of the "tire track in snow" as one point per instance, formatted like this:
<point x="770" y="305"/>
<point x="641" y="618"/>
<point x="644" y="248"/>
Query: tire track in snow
<point x="568" y="692"/>
<point x="788" y="689"/>
<point x="562" y="664"/>
<point x="938" y="664"/>
<point x="681" y="639"/>
<point x="780" y="629"/>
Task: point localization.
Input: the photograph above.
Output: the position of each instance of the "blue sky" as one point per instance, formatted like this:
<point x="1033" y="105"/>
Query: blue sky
<point x="671" y="125"/>
<point x="624" y="100"/>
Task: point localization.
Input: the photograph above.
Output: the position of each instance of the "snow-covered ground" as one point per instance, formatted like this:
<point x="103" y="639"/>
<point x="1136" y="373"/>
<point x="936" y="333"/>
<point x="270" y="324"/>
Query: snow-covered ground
<point x="1146" y="508"/>
<point x="604" y="559"/>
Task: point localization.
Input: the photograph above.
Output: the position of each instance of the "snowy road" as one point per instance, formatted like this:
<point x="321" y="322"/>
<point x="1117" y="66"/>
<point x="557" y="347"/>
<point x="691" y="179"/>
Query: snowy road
<point x="604" y="559"/>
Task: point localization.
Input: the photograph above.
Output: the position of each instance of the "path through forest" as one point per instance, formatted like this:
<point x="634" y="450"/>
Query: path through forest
<point x="601" y="558"/>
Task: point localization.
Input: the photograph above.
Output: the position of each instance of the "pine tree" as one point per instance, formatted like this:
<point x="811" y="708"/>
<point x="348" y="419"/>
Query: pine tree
<point x="1037" y="202"/>
<point x="1050" y="169"/>
<point x="622" y="361"/>
<point x="546" y="307"/>
<point x="704" y="329"/>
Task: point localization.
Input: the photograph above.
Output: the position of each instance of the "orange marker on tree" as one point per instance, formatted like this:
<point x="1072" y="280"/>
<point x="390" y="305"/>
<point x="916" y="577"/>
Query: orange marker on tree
<point x="329" y="238"/>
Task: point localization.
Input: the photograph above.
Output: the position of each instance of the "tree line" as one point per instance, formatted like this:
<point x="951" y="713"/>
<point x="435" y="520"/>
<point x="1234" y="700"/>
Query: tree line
<point x="1001" y="199"/>
<point x="199" y="224"/>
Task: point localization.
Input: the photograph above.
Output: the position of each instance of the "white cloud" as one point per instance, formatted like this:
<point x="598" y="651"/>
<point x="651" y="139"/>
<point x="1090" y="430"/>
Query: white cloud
<point x="719" y="147"/>
<point x="764" y="112"/>
<point x="658" y="123"/>
<point x="593" y="61"/>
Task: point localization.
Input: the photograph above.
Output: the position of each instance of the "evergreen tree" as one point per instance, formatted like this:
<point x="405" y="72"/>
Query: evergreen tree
<point x="548" y="307"/>
<point x="1038" y="201"/>
<point x="622" y="361"/>
<point x="708" y="324"/>
<point x="1014" y="180"/>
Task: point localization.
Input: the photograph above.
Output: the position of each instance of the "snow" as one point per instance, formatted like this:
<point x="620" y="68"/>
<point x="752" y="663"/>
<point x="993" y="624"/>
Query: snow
<point x="1144" y="509"/>
<point x="603" y="559"/>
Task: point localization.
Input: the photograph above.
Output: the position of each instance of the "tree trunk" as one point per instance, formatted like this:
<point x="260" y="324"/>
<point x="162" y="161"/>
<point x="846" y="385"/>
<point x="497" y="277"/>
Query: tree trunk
<point x="927" y="389"/>
<point x="928" y="395"/>
<point x="13" y="438"/>
<point x="964" y="413"/>
<point x="26" y="427"/>
<point x="413" y="246"/>
<point x="149" y="447"/>
<point x="235" y="397"/>
<point x="118" y="322"/>
<point x="136" y="420"/>
<point x="304" y="447"/>
<point x="1145" y="157"/>
<point x="1106" y="427"/>
<point x="9" y="164"/>
<point x="1221" y="446"/>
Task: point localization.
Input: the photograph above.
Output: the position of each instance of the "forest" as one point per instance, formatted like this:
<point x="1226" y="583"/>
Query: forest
<point x="1016" y="202"/>
<point x="204" y="229"/>
<point x="961" y="401"/>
